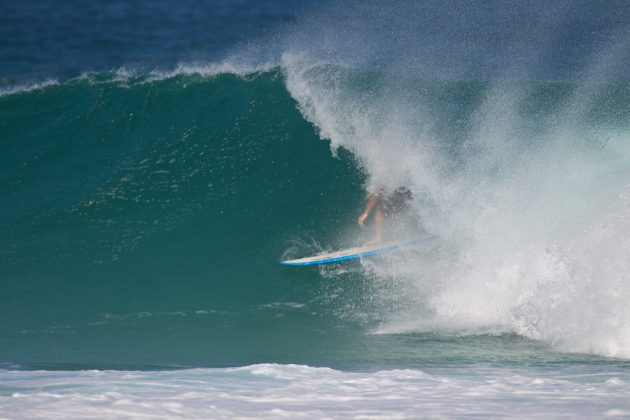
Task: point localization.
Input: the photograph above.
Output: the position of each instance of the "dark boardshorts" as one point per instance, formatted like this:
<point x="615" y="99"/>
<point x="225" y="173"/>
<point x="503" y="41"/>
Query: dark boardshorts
<point x="397" y="201"/>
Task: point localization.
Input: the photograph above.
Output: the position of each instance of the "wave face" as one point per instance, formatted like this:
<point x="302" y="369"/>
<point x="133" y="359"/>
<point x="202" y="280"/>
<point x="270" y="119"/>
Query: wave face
<point x="141" y="207"/>
<point x="143" y="213"/>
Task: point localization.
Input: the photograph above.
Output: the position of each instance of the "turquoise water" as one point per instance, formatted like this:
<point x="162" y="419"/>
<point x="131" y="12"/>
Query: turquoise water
<point x="151" y="216"/>
<point x="144" y="220"/>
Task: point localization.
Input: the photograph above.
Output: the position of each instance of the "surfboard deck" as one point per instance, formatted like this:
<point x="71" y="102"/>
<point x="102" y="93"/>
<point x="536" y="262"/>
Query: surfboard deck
<point x="358" y="252"/>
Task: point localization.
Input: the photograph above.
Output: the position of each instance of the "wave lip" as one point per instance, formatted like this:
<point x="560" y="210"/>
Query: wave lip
<point x="24" y="88"/>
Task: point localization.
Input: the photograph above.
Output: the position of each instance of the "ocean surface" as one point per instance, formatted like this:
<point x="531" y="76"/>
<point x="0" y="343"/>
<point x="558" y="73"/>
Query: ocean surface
<point x="158" y="159"/>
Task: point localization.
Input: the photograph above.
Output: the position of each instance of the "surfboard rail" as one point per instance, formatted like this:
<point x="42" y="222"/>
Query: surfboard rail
<point x="356" y="252"/>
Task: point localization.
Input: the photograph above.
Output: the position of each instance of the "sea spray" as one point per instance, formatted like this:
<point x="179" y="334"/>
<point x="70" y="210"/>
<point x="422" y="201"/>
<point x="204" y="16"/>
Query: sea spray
<point x="516" y="194"/>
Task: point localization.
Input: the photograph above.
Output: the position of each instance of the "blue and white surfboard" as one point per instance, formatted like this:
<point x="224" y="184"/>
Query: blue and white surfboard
<point x="358" y="252"/>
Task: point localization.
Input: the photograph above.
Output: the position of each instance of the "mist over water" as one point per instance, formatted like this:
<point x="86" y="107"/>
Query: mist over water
<point x="517" y="150"/>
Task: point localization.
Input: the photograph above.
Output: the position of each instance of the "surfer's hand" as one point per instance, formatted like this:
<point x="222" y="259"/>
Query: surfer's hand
<point x="362" y="218"/>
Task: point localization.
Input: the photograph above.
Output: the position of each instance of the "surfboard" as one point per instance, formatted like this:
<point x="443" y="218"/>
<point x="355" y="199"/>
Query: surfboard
<point x="358" y="252"/>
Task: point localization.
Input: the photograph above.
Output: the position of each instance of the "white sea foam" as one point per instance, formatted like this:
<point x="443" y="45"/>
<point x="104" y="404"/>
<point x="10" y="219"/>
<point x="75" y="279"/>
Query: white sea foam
<point x="22" y="88"/>
<point x="228" y="66"/>
<point x="125" y="76"/>
<point x="292" y="391"/>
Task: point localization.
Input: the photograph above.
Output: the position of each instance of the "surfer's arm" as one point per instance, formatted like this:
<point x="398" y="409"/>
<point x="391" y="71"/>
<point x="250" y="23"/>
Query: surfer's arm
<point x="371" y="202"/>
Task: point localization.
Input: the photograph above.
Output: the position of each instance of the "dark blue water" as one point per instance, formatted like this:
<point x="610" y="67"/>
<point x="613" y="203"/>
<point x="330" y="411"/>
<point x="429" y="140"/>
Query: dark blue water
<point x="46" y="39"/>
<point x="43" y="39"/>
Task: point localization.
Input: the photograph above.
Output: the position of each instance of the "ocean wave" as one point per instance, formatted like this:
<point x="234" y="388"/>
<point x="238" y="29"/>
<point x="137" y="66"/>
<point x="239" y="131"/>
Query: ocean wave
<point x="145" y="185"/>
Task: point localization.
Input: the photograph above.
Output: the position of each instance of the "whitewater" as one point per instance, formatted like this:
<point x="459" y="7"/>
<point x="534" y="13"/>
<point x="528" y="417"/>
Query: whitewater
<point x="293" y="391"/>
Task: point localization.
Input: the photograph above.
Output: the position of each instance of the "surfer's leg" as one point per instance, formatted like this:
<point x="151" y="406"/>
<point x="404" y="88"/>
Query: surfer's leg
<point x="378" y="218"/>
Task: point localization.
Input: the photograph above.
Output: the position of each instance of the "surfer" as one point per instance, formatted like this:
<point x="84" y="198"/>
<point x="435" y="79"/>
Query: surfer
<point x="383" y="205"/>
